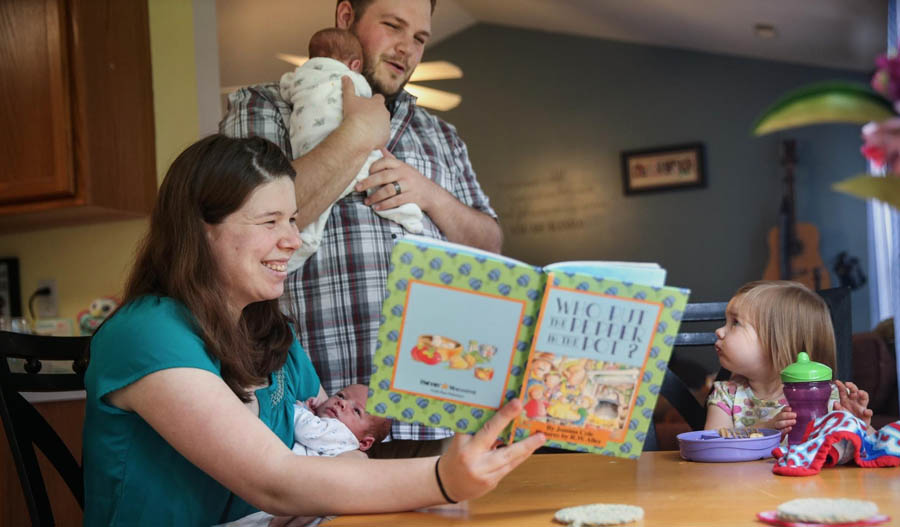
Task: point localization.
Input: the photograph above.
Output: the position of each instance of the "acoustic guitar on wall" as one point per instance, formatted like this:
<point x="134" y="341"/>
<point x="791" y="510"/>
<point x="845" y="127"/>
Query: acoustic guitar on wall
<point x="794" y="247"/>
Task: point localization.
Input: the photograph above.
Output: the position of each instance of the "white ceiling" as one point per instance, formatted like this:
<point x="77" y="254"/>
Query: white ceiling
<point x="838" y="33"/>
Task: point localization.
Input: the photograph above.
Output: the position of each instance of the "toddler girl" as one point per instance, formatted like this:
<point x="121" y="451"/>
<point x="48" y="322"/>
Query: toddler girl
<point x="767" y="323"/>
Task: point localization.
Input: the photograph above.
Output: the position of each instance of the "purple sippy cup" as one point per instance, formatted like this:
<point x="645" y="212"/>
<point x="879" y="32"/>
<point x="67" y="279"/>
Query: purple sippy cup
<point x="807" y="388"/>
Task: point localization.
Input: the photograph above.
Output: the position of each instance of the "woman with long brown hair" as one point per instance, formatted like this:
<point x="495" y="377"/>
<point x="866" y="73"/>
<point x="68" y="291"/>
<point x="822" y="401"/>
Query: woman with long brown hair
<point x="168" y="437"/>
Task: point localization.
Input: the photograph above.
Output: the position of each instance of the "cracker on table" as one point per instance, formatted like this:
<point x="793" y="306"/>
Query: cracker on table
<point x="738" y="433"/>
<point x="597" y="514"/>
<point x="826" y="510"/>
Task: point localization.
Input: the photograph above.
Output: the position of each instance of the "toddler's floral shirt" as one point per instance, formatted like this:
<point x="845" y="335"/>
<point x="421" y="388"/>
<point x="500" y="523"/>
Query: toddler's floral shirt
<point x="747" y="410"/>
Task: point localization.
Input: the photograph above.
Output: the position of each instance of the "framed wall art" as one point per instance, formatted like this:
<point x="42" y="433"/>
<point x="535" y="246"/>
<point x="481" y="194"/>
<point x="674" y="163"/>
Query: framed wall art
<point x="10" y="290"/>
<point x="663" y="168"/>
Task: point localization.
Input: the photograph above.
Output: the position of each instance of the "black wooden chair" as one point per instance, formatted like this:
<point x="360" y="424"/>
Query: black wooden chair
<point x="679" y="395"/>
<point x="25" y="427"/>
<point x="838" y="300"/>
<point x="675" y="391"/>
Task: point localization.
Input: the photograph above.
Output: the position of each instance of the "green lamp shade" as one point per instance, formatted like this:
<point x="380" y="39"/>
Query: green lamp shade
<point x="886" y="189"/>
<point x="805" y="370"/>
<point x="825" y="102"/>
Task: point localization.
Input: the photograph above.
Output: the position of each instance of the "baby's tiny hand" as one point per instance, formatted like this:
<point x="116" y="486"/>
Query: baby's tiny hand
<point x="312" y="403"/>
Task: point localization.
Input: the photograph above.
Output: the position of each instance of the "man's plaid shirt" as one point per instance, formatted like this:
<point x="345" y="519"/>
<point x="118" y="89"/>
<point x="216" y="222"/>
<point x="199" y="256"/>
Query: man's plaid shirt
<point x="336" y="296"/>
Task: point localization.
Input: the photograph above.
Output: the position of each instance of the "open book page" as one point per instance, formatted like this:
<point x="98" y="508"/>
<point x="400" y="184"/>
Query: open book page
<point x="598" y="357"/>
<point x="645" y="273"/>
<point x="458" y="248"/>
<point x="457" y="323"/>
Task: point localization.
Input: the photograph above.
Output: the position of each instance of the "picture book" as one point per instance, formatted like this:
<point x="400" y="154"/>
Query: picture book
<point x="584" y="344"/>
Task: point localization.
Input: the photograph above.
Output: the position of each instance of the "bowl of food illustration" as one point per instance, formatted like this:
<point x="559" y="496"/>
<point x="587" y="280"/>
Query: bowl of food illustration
<point x="463" y="362"/>
<point x="433" y="349"/>
<point x="484" y="373"/>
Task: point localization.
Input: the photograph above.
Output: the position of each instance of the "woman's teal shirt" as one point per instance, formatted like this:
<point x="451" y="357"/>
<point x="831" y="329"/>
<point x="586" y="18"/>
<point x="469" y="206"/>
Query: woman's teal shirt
<point x="131" y="474"/>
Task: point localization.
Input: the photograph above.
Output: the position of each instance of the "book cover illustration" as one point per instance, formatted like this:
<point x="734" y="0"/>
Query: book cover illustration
<point x="598" y="358"/>
<point x="455" y="334"/>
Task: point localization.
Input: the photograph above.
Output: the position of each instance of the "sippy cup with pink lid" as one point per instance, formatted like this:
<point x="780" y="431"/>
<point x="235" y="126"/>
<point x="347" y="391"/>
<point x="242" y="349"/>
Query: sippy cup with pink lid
<point x="807" y="388"/>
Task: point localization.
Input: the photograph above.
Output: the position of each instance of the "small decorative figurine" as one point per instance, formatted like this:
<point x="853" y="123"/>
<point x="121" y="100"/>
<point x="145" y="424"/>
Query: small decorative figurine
<point x="91" y="318"/>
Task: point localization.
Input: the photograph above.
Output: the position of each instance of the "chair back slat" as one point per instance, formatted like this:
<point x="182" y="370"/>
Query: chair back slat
<point x="25" y="459"/>
<point x="704" y="311"/>
<point x="42" y="347"/>
<point x="60" y="382"/>
<point x="25" y="427"/>
<point x="695" y="339"/>
<point x="56" y="451"/>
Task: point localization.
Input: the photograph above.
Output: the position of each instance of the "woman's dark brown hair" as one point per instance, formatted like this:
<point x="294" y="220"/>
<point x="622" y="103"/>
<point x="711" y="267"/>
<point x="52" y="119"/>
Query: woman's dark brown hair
<point x="210" y="180"/>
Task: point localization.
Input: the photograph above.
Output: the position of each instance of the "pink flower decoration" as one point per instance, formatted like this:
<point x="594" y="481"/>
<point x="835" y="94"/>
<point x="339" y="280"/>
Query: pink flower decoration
<point x="875" y="154"/>
<point x="882" y="144"/>
<point x="886" y="80"/>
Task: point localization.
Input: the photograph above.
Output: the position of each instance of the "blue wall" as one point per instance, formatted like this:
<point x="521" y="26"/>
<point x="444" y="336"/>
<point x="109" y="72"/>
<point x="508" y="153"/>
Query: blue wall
<point x="540" y="107"/>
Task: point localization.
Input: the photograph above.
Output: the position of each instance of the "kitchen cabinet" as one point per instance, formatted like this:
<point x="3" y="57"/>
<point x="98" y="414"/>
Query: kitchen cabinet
<point x="76" y="112"/>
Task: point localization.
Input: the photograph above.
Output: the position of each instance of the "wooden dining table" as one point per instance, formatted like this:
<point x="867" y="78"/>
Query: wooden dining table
<point x="673" y="492"/>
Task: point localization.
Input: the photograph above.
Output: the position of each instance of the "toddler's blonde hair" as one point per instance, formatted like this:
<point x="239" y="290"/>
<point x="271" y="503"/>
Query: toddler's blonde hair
<point x="788" y="318"/>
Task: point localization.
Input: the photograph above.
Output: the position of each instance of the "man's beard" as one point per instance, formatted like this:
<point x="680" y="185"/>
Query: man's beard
<point x="377" y="87"/>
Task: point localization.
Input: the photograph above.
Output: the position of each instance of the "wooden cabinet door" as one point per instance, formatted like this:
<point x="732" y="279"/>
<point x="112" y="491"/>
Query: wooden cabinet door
<point x="36" y="148"/>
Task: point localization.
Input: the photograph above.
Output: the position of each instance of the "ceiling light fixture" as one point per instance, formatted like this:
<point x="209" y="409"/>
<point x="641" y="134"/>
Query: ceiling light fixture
<point x="765" y="31"/>
<point x="425" y="71"/>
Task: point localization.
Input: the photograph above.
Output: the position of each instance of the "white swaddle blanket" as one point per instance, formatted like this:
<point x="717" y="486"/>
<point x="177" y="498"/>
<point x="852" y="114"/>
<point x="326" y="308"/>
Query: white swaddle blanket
<point x="320" y="436"/>
<point x="315" y="91"/>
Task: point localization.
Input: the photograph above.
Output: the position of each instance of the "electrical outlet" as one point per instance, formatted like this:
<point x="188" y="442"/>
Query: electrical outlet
<point x="47" y="306"/>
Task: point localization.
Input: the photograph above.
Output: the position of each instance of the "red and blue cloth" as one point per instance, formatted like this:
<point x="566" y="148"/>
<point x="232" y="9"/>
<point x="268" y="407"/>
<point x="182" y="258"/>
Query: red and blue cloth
<point x="835" y="438"/>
